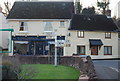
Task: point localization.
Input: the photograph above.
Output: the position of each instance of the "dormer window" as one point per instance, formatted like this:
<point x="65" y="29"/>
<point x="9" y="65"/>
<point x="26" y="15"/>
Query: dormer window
<point x="23" y="26"/>
<point x="48" y="26"/>
<point x="107" y="34"/>
<point x="62" y="23"/>
<point x="80" y="34"/>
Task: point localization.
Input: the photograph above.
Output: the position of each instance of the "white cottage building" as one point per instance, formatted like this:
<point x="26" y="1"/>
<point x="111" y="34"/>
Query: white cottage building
<point x="30" y="21"/>
<point x="94" y="35"/>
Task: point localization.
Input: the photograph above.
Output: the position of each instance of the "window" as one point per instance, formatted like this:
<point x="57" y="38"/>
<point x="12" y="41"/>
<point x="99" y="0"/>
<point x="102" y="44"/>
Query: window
<point x="80" y="34"/>
<point x="62" y="23"/>
<point x="107" y="34"/>
<point x="81" y="50"/>
<point x="23" y="26"/>
<point x="48" y="26"/>
<point x="107" y="50"/>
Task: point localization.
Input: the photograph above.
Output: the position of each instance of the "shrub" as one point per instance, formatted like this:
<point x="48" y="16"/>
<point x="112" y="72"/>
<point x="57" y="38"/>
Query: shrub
<point x="9" y="66"/>
<point x="12" y="69"/>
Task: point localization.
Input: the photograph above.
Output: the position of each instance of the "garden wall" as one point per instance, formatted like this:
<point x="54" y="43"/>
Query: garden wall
<point x="84" y="64"/>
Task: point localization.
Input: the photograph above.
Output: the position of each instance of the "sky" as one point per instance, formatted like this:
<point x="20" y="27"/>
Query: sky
<point x="85" y="3"/>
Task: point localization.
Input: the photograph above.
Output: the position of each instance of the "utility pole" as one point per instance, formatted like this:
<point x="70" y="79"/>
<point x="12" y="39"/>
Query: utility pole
<point x="55" y="59"/>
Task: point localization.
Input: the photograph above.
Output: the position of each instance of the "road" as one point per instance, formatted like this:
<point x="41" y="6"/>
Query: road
<point x="107" y="69"/>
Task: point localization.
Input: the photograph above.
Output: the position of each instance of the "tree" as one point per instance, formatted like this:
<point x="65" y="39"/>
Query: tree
<point x="26" y="73"/>
<point x="78" y="7"/>
<point x="7" y="6"/>
<point x="89" y="10"/>
<point x="103" y="5"/>
<point x="12" y="69"/>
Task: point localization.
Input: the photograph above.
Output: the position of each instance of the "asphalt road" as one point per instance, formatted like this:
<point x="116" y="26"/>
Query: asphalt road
<point x="107" y="69"/>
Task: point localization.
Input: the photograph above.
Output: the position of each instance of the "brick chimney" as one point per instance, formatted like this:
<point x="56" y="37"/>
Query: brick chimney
<point x="0" y="9"/>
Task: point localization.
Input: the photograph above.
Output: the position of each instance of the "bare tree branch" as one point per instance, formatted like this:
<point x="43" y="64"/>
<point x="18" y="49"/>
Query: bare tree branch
<point x="7" y="8"/>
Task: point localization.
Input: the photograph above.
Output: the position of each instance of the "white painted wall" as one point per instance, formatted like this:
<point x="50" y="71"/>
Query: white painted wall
<point x="4" y="36"/>
<point x="119" y="47"/>
<point x="74" y="40"/>
<point x="36" y="27"/>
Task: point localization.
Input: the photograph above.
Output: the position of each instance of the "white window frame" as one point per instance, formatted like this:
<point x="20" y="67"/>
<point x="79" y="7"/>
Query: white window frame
<point x="107" y="50"/>
<point x="48" y="26"/>
<point x="80" y="49"/>
<point x="80" y="34"/>
<point x="62" y="23"/>
<point x="25" y="26"/>
<point x="108" y="35"/>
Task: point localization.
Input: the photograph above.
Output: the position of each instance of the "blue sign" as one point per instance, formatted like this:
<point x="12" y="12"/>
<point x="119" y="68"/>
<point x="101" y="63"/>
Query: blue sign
<point x="28" y="38"/>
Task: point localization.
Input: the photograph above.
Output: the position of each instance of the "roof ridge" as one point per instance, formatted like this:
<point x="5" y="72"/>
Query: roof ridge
<point x="43" y="1"/>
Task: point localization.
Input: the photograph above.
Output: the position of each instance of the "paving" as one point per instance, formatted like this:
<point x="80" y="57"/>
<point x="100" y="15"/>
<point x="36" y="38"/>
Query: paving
<point x="107" y="69"/>
<point x="83" y="78"/>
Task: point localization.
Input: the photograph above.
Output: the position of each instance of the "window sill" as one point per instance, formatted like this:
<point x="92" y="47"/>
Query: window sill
<point x="107" y="38"/>
<point x="107" y="54"/>
<point x="94" y="54"/>
<point x="80" y="37"/>
<point x="81" y="54"/>
<point x="23" y="31"/>
<point x="62" y="27"/>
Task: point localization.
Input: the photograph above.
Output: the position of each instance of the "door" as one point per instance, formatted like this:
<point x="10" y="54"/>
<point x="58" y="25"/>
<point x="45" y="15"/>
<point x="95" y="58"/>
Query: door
<point x="94" y="50"/>
<point x="31" y="48"/>
<point x="60" y="51"/>
<point x="40" y="48"/>
<point x="52" y="49"/>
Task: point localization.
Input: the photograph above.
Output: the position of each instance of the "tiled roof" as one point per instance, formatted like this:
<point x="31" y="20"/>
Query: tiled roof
<point x="92" y="23"/>
<point x="41" y="10"/>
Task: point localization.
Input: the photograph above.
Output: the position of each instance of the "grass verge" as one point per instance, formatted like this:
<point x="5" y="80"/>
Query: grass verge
<point x="48" y="71"/>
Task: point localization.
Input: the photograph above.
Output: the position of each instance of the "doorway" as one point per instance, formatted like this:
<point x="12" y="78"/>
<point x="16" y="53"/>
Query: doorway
<point x="94" y="50"/>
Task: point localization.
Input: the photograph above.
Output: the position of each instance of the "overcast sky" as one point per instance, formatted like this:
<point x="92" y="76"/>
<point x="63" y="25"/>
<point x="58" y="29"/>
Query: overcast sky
<point x="85" y="3"/>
